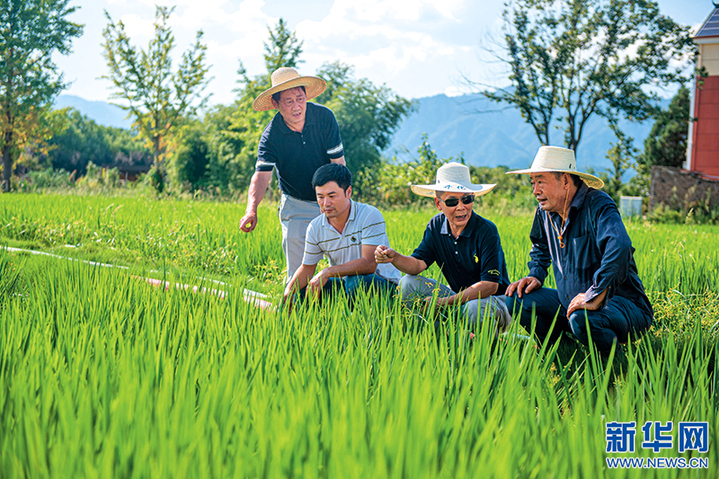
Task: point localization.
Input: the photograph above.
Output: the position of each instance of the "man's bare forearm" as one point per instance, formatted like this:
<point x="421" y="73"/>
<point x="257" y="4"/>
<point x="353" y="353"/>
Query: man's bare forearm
<point x="300" y="279"/>
<point x="258" y="187"/>
<point x="409" y="264"/>
<point x="480" y="290"/>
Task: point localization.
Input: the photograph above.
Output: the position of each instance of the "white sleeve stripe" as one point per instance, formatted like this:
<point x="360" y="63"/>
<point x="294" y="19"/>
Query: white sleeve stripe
<point x="334" y="150"/>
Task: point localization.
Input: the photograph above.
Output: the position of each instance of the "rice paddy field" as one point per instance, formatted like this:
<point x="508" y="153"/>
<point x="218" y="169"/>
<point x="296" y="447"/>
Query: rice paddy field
<point x="104" y="375"/>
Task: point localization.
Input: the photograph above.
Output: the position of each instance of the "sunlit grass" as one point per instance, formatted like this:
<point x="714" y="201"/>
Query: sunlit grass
<point x="103" y="375"/>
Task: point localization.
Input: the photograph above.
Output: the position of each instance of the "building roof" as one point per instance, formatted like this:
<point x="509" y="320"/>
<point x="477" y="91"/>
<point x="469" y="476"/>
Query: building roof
<point x="711" y="25"/>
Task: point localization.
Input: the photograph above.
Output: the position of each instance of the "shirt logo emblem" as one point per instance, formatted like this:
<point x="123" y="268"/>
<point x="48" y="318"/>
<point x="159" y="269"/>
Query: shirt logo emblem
<point x="494" y="272"/>
<point x="476" y="259"/>
<point x="354" y="239"/>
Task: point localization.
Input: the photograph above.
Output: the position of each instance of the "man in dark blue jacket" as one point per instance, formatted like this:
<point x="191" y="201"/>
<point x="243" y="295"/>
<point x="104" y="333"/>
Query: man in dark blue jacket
<point x="577" y="229"/>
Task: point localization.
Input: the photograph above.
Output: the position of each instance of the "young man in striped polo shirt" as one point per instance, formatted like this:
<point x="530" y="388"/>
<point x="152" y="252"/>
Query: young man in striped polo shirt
<point x="346" y="233"/>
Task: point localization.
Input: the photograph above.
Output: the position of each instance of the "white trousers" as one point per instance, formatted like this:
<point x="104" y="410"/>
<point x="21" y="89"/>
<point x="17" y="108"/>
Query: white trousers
<point x="295" y="216"/>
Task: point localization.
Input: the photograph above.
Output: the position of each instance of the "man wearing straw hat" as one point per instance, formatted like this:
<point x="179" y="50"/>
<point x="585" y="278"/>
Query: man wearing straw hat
<point x="464" y="245"/>
<point x="300" y="138"/>
<point x="577" y="229"/>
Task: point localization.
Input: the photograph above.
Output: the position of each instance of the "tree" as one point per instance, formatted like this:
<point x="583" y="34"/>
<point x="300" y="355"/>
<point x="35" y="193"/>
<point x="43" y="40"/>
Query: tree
<point x="666" y="144"/>
<point x="283" y="49"/>
<point x="189" y="164"/>
<point x="572" y="59"/>
<point x="621" y="154"/>
<point x="82" y="141"/>
<point x="368" y="115"/>
<point x="31" y="31"/>
<point x="157" y="98"/>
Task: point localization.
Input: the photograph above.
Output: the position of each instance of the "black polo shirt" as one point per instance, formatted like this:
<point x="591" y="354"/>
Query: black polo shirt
<point x="476" y="255"/>
<point x="298" y="155"/>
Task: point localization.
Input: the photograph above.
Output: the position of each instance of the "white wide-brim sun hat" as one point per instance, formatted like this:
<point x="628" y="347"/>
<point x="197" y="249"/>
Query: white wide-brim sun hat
<point x="559" y="160"/>
<point x="453" y="178"/>
<point x="285" y="78"/>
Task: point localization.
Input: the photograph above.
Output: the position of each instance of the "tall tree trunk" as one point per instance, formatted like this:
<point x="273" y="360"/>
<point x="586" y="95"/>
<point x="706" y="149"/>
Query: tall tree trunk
<point x="156" y="151"/>
<point x="7" y="162"/>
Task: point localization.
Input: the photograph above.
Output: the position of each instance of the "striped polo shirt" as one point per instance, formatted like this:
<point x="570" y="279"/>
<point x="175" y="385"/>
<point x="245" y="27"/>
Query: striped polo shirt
<point x="365" y="226"/>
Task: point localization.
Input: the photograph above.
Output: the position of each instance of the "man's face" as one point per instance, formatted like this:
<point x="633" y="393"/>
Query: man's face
<point x="332" y="199"/>
<point x="292" y="107"/>
<point x="458" y="216"/>
<point x="550" y="191"/>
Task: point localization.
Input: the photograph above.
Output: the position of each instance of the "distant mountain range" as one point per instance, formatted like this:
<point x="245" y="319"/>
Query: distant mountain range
<point x="102" y="112"/>
<point x="488" y="136"/>
<point x="469" y="125"/>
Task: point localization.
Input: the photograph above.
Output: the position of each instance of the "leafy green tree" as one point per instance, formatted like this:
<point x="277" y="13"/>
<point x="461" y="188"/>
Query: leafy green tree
<point x="82" y="141"/>
<point x="31" y="31"/>
<point x="190" y="161"/>
<point x="621" y="154"/>
<point x="666" y="144"/>
<point x="368" y="115"/>
<point x="572" y="59"/>
<point x="157" y="98"/>
<point x="283" y="48"/>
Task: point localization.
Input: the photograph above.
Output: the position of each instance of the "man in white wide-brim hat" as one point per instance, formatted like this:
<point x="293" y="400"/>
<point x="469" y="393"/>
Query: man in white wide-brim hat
<point x="464" y="245"/>
<point x="301" y="137"/>
<point x="577" y="229"/>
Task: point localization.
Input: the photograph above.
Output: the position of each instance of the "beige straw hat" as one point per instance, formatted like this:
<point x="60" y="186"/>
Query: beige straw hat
<point x="453" y="178"/>
<point x="283" y="79"/>
<point x="561" y="160"/>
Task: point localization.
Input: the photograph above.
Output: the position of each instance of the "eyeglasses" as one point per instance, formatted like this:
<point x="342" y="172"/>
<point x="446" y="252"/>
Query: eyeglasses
<point x="452" y="202"/>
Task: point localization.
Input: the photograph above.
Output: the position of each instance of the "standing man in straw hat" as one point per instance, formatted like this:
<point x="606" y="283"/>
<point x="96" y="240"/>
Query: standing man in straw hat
<point x="577" y="229"/>
<point x="300" y="138"/>
<point x="464" y="245"/>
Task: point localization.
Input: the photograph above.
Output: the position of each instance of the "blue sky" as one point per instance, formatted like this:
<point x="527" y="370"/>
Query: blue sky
<point x="416" y="47"/>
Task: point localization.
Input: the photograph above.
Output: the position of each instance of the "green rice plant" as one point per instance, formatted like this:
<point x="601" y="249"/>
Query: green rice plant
<point x="104" y="375"/>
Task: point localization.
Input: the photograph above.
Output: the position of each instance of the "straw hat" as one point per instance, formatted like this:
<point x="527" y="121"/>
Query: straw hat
<point x="453" y="178"/>
<point x="285" y="78"/>
<point x="561" y="160"/>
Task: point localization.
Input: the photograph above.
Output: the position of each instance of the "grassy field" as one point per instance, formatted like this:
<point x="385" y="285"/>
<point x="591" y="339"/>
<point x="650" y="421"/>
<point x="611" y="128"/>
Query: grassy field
<point x="102" y="375"/>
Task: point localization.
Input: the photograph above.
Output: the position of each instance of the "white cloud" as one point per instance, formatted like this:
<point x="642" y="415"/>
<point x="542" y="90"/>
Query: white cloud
<point x="416" y="47"/>
<point x="381" y="34"/>
<point x="139" y="28"/>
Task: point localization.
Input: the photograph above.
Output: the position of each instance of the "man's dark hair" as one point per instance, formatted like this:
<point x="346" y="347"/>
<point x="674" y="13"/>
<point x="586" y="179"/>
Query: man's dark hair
<point x="340" y="174"/>
<point x="276" y="96"/>
<point x="576" y="179"/>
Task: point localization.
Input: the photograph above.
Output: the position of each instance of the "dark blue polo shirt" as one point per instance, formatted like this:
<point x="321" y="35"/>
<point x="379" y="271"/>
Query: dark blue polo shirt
<point x="597" y="255"/>
<point x="476" y="255"/>
<point x="298" y="155"/>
